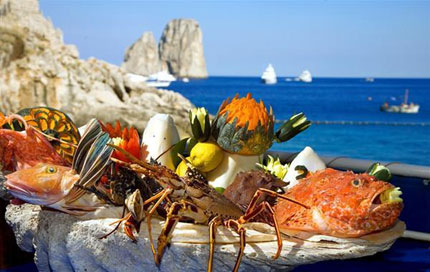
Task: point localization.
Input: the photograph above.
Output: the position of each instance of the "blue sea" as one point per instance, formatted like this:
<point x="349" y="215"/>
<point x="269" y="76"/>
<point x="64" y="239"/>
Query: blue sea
<point x="389" y="137"/>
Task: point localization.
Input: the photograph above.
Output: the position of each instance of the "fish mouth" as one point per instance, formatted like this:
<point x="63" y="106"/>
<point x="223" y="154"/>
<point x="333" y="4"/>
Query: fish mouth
<point x="21" y="192"/>
<point x="20" y="189"/>
<point x="386" y="196"/>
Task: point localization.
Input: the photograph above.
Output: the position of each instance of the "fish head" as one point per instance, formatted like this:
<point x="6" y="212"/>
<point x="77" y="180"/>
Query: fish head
<point x="42" y="184"/>
<point x="356" y="203"/>
<point x="342" y="204"/>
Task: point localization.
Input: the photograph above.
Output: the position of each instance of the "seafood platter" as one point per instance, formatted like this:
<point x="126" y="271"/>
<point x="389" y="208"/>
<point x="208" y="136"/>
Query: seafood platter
<point x="210" y="201"/>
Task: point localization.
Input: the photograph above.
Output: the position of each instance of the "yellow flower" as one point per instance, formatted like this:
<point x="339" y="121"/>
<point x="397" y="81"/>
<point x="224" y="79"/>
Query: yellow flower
<point x="200" y="125"/>
<point x="274" y="167"/>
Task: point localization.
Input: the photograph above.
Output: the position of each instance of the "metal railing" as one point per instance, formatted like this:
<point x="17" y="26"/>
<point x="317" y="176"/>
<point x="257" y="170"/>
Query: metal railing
<point x="356" y="165"/>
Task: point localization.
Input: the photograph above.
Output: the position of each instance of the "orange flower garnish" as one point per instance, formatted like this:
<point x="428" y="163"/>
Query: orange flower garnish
<point x="127" y="139"/>
<point x="246" y="109"/>
<point x="2" y="119"/>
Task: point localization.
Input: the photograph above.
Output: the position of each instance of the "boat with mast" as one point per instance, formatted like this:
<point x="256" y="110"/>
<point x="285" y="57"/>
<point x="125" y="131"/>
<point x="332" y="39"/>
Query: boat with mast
<point x="269" y="75"/>
<point x="402" y="108"/>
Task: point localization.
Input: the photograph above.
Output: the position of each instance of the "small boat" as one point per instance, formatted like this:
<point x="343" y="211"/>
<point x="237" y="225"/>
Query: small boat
<point x="269" y="75"/>
<point x="305" y="76"/>
<point x="369" y="79"/>
<point x="185" y="79"/>
<point x="402" y="108"/>
<point x="160" y="79"/>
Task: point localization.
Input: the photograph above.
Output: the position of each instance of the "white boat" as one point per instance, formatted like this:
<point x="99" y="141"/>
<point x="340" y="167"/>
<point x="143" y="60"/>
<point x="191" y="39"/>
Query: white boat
<point x="402" y="108"/>
<point x="269" y="75"/>
<point x="160" y="79"/>
<point x="185" y="79"/>
<point x="305" y="76"/>
<point x="136" y="79"/>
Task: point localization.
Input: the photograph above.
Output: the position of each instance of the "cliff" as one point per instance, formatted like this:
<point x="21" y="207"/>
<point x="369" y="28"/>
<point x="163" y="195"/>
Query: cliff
<point x="180" y="51"/>
<point x="37" y="68"/>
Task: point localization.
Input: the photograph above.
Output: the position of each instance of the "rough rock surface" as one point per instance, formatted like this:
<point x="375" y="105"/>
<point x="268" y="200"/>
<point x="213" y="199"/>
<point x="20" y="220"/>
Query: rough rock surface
<point x="142" y="57"/>
<point x="66" y="243"/>
<point x="37" y="68"/>
<point x="181" y="49"/>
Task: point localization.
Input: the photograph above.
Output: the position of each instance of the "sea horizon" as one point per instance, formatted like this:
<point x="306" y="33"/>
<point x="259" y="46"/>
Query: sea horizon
<point x="346" y="111"/>
<point x="314" y="77"/>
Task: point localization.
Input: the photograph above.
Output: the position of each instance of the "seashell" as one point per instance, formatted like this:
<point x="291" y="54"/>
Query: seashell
<point x="308" y="158"/>
<point x="159" y="135"/>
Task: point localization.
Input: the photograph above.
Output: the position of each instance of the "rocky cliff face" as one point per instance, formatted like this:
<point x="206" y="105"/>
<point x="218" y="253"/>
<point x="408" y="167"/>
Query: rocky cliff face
<point x="180" y="51"/>
<point x="181" y="48"/>
<point x="142" y="57"/>
<point x="37" y="68"/>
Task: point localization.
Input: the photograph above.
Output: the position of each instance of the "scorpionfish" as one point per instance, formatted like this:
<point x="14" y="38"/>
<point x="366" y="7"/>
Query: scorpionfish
<point x="341" y="204"/>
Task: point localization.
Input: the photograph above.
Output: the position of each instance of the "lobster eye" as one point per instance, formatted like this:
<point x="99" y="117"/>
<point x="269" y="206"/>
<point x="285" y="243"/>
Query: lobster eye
<point x="51" y="170"/>
<point x="356" y="182"/>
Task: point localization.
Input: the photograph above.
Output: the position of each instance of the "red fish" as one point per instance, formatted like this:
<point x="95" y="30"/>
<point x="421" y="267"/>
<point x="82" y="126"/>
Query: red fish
<point x="342" y="204"/>
<point x="60" y="187"/>
<point x="20" y="150"/>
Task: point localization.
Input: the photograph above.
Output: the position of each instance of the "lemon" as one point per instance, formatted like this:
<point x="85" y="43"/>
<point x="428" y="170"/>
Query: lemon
<point x="206" y="156"/>
<point x="182" y="168"/>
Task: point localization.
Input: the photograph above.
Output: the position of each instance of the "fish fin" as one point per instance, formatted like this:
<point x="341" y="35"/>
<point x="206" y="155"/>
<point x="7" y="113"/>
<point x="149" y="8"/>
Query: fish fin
<point x="91" y="133"/>
<point x="92" y="158"/>
<point x="76" y="211"/>
<point x="73" y="209"/>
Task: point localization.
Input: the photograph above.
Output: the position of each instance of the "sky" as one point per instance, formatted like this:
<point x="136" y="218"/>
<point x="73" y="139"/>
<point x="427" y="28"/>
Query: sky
<point x="330" y="38"/>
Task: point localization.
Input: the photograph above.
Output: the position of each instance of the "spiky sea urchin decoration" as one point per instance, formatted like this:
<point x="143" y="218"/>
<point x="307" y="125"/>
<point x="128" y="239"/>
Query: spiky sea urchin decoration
<point x="244" y="126"/>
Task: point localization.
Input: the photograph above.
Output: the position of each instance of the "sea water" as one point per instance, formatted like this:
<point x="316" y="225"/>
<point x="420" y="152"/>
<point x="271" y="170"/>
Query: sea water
<point x="367" y="133"/>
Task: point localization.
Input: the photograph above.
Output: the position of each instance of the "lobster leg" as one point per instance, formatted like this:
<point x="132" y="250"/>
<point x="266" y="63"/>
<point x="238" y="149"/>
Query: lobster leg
<point x="238" y="227"/>
<point x="253" y="210"/>
<point x="176" y="211"/>
<point x="262" y="191"/>
<point x="117" y="226"/>
<point x="163" y="194"/>
<point x="213" y="224"/>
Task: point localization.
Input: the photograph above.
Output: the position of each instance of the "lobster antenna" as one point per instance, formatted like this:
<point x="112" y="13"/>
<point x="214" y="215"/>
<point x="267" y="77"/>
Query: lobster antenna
<point x="164" y="152"/>
<point x="187" y="162"/>
<point x="53" y="138"/>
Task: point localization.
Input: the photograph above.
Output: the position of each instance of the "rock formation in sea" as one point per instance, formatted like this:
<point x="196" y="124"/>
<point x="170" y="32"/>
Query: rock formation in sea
<point x="181" y="48"/>
<point x="142" y="57"/>
<point x="37" y="68"/>
<point x="180" y="51"/>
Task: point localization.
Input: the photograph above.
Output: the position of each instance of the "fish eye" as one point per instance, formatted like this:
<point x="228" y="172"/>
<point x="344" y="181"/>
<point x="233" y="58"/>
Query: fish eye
<point x="356" y="182"/>
<point x="51" y="170"/>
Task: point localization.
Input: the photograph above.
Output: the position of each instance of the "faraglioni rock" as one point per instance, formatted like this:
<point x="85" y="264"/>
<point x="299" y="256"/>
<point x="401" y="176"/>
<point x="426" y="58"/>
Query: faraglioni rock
<point x="38" y="69"/>
<point x="142" y="57"/>
<point x="62" y="242"/>
<point x="181" y="49"/>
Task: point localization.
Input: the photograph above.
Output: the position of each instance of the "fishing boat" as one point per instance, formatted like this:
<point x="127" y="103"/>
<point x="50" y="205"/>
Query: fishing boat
<point x="402" y="108"/>
<point x="305" y="76"/>
<point x="269" y="75"/>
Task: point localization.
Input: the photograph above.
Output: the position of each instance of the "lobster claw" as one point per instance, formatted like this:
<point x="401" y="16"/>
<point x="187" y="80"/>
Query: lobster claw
<point x="129" y="226"/>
